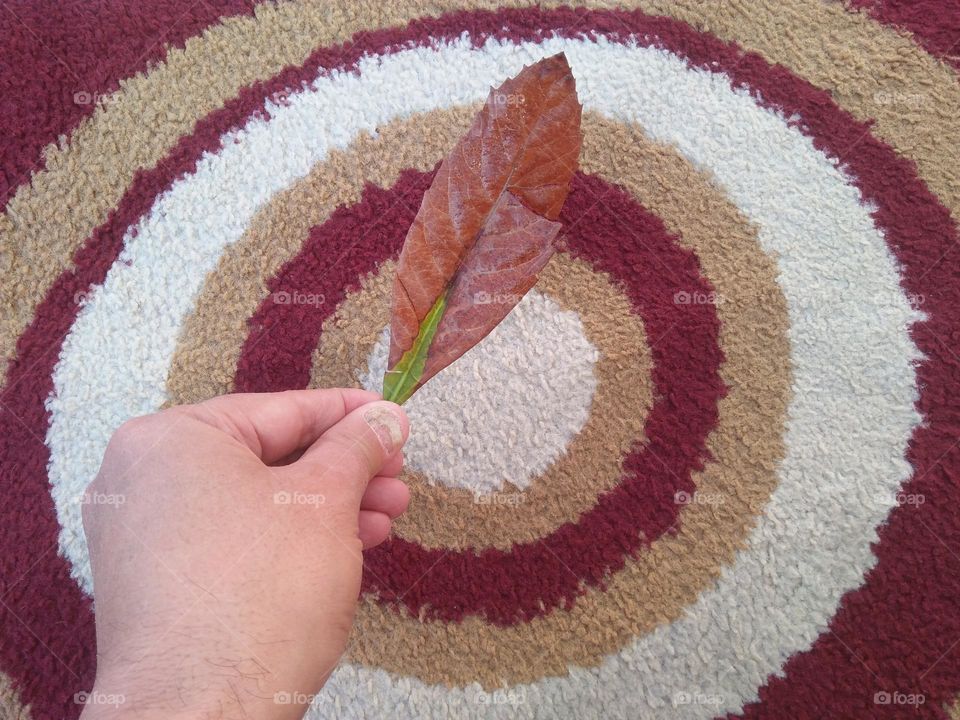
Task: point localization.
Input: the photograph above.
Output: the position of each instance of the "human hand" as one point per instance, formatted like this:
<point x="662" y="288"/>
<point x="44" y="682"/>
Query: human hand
<point x="230" y="570"/>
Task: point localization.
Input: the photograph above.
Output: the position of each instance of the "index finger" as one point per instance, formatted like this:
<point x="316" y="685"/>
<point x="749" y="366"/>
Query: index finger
<point x="274" y="425"/>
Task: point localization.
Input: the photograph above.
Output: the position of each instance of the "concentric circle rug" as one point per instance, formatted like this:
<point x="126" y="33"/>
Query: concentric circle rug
<point x="708" y="467"/>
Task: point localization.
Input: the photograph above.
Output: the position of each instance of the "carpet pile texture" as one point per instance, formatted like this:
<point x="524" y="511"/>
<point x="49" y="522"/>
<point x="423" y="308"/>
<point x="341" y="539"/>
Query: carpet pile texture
<point x="709" y="467"/>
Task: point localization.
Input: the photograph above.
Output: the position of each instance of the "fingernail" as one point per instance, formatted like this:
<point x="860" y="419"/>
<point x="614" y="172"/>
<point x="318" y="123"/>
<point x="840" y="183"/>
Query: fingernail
<point x="384" y="422"/>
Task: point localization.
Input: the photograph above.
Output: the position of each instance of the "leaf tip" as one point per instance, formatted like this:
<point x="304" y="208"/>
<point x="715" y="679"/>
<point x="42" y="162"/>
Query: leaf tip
<point x="555" y="68"/>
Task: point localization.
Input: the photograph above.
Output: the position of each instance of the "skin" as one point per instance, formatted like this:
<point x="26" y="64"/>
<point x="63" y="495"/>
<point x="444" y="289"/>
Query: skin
<point x="225" y="541"/>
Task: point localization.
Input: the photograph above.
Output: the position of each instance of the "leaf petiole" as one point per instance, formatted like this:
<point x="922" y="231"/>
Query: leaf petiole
<point x="400" y="382"/>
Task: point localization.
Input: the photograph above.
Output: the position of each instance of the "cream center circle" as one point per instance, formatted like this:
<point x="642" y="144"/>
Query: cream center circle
<point x="504" y="412"/>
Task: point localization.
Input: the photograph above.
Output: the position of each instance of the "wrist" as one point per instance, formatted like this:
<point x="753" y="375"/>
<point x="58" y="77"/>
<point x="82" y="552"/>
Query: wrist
<point x="119" y="705"/>
<point x="126" y="700"/>
<point x="137" y="701"/>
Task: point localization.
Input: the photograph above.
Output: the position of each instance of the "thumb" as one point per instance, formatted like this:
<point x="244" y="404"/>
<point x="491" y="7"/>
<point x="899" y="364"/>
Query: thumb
<point x="351" y="452"/>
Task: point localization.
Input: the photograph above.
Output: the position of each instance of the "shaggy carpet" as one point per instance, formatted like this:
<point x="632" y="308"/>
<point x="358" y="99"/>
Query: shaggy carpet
<point x="709" y="467"/>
